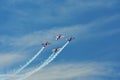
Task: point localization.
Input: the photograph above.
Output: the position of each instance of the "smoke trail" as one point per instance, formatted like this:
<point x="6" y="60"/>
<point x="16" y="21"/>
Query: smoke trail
<point x="51" y="58"/>
<point x="30" y="73"/>
<point x="33" y="58"/>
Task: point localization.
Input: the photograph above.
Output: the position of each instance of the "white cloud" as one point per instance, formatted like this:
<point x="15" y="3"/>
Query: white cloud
<point x="81" y="31"/>
<point x="103" y="20"/>
<point x="93" y="29"/>
<point x="9" y="58"/>
<point x="82" y="6"/>
<point x="43" y="36"/>
<point x="66" y="71"/>
<point x="52" y="12"/>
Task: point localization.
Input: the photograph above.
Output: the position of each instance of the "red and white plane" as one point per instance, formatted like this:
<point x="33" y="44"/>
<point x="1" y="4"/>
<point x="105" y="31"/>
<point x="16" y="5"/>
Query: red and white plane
<point x="56" y="50"/>
<point x="59" y="37"/>
<point x="70" y="39"/>
<point x="45" y="44"/>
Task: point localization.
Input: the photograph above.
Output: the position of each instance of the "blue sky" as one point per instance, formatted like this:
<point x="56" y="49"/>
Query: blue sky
<point x="93" y="55"/>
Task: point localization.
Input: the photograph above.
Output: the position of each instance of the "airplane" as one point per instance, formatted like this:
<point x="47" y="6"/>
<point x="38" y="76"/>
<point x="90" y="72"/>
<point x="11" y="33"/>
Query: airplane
<point x="45" y="44"/>
<point x="56" y="50"/>
<point x="70" y="39"/>
<point x="59" y="37"/>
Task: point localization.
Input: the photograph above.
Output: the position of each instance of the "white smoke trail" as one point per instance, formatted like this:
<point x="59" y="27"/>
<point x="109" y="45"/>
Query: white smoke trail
<point x="32" y="59"/>
<point x="51" y="58"/>
<point x="24" y="66"/>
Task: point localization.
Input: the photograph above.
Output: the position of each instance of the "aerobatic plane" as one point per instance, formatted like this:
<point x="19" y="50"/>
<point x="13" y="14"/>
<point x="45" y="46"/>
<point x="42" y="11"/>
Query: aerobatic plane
<point x="45" y="44"/>
<point x="70" y="39"/>
<point x="59" y="37"/>
<point x="56" y="50"/>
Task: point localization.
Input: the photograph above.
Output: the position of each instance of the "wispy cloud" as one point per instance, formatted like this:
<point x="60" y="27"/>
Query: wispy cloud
<point x="98" y="28"/>
<point x="36" y="37"/>
<point x="85" y="70"/>
<point x="46" y="11"/>
<point x="9" y="59"/>
<point x="42" y="36"/>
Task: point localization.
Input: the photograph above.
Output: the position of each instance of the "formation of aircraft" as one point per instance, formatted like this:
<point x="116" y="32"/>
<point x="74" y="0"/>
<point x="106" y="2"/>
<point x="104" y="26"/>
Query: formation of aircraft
<point x="57" y="38"/>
